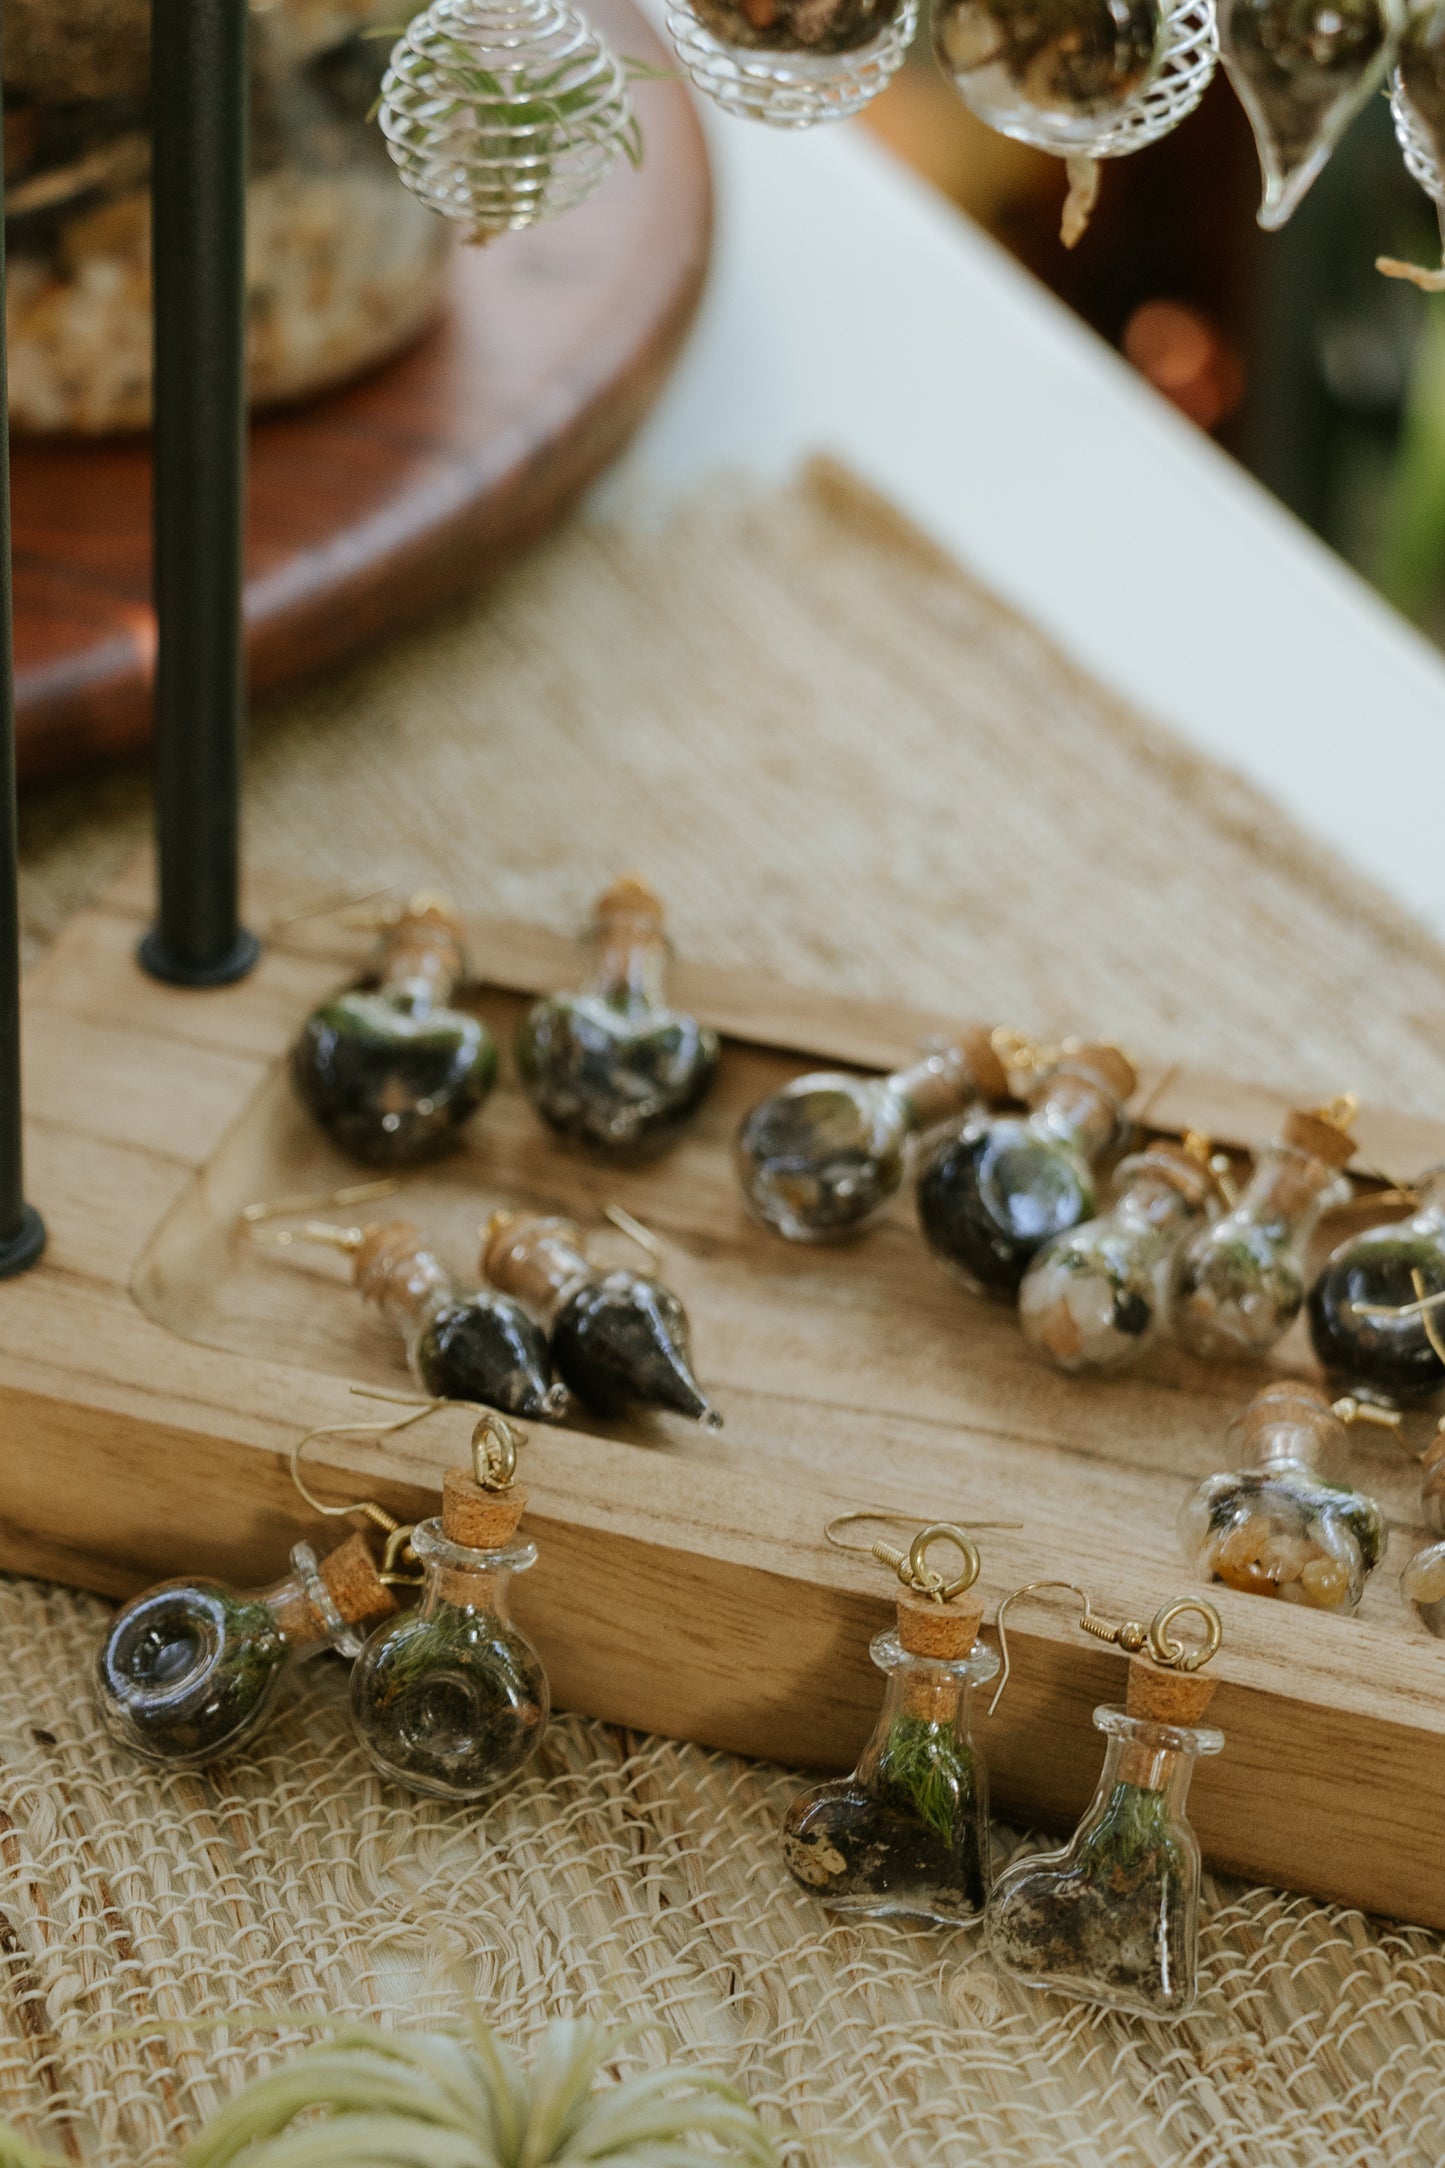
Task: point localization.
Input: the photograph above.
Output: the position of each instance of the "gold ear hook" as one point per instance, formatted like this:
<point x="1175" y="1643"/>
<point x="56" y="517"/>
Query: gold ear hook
<point x="1127" y="1634"/>
<point x="329" y="903"/>
<point x="1341" y="1110"/>
<point x="377" y="1515"/>
<point x="1030" y="1588"/>
<point x="1216" y="1165"/>
<point x="1184" y="1655"/>
<point x="1424" y="1307"/>
<point x="1022" y="1055"/>
<point x="911" y="1566"/>
<point x="495" y="1444"/>
<point x="634" y="1230"/>
<point x="252" y="1216"/>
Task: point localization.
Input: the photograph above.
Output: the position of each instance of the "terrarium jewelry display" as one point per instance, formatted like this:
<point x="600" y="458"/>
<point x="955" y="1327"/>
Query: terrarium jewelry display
<point x="1377" y="1311"/>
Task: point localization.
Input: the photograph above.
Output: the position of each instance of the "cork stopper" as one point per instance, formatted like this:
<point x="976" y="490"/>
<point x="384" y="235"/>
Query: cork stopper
<point x="481" y="1520"/>
<point x="429" y="907"/>
<point x="990" y="1077"/>
<point x="1163" y="1696"/>
<point x="356" y="1586"/>
<point x="384" y="1245"/>
<point x="633" y="899"/>
<point x="1109" y="1063"/>
<point x="425" y="944"/>
<point x="532" y="1257"/>
<point x="1178" y="1166"/>
<point x="946" y="1631"/>
<point x="1310" y="1131"/>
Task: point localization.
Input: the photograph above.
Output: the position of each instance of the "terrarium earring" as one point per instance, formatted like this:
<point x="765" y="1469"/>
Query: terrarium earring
<point x="792" y="62"/>
<point x="992" y="1193"/>
<point x="391" y="1070"/>
<point x="452" y="1699"/>
<point x="1240" y="1283"/>
<point x="1423" y="1581"/>
<point x="1097" y="1296"/>
<point x="460" y="1344"/>
<point x="613" y="1065"/>
<point x="1285" y="1523"/>
<point x="1302" y="70"/>
<point x="823" y="1156"/>
<point x="1417" y="106"/>
<point x="501" y="113"/>
<point x="1084" y="79"/>
<point x="908" y="1831"/>
<point x="619" y="1340"/>
<point x="1377" y="1310"/>
<point x="1113" y="1917"/>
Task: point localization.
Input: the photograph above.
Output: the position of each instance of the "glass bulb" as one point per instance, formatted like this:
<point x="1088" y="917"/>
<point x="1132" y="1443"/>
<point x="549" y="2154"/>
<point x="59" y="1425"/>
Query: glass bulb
<point x="1302" y="70"/>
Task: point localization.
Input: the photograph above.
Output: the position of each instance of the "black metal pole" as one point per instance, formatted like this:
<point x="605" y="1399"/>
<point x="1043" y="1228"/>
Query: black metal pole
<point x="198" y="248"/>
<point x="22" y="1232"/>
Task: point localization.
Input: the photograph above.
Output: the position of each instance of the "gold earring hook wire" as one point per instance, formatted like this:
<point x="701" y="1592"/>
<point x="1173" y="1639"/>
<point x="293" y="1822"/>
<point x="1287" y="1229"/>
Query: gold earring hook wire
<point x="634" y="1230"/>
<point x="911" y="1565"/>
<point x="1128" y="1634"/>
<point x="330" y="903"/>
<point x="252" y="1216"/>
<point x="1424" y="1307"/>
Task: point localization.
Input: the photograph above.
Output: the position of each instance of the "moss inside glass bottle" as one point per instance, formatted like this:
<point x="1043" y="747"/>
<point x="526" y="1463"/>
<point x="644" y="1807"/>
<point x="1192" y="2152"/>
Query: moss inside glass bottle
<point x="1366" y="1319"/>
<point x="392" y="1071"/>
<point x="908" y="1832"/>
<point x="614" y="1066"/>
<point x="619" y="1340"/>
<point x="822" y="1157"/>
<point x="992" y="1193"/>
<point x="189" y="1670"/>
<point x="1113" y="1917"/>
<point x="452" y="1700"/>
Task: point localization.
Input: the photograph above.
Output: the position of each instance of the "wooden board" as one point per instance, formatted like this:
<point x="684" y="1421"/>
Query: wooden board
<point x="370" y="506"/>
<point x="156" y="1370"/>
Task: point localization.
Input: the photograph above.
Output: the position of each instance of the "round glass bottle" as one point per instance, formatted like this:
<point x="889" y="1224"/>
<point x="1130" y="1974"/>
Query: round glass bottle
<point x="189" y="1670"/>
<point x="618" y="1340"/>
<point x="1113" y="1917"/>
<point x="452" y="1699"/>
<point x="1096" y="1297"/>
<point x="908" y="1832"/>
<point x="614" y="1066"/>
<point x="822" y="1157"/>
<point x="1365" y="1319"/>
<point x="391" y="1071"/>
<point x="1241" y="1283"/>
<point x="1284" y="1525"/>
<point x="992" y="1193"/>
<point x="792" y="63"/>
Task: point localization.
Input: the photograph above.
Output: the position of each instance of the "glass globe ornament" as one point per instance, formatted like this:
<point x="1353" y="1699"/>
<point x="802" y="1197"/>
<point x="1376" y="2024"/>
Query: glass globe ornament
<point x="1302" y="70"/>
<point x="501" y="113"/>
<point x="792" y="63"/>
<point x="1417" y="107"/>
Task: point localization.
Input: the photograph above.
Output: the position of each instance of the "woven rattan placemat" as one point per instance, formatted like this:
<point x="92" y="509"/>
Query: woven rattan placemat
<point x="841" y="759"/>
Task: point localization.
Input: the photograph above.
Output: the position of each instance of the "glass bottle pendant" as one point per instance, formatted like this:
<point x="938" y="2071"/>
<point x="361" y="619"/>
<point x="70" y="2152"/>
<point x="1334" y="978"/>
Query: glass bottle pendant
<point x="1366" y="1322"/>
<point x="1096" y="1297"/>
<point x="1084" y="79"/>
<point x="501" y="113"/>
<point x="1417" y="107"/>
<point x="481" y="1346"/>
<point x="792" y="63"/>
<point x="1423" y="1581"/>
<point x="452" y="1699"/>
<point x="190" y="1669"/>
<point x="618" y="1340"/>
<point x="614" y="1066"/>
<point x="823" y="1156"/>
<point x="1284" y="1525"/>
<point x="1240" y="1284"/>
<point x="390" y="1070"/>
<point x="1302" y="70"/>
<point x="993" y="1192"/>
<point x="1113" y="1917"/>
<point x="908" y="1832"/>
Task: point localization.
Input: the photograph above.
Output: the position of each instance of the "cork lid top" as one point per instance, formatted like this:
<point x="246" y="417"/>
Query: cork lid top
<point x="354" y="1582"/>
<point x="1165" y="1696"/>
<point x="946" y="1631"/>
<point x="479" y="1519"/>
<point x="429" y="907"/>
<point x="508" y="1234"/>
<point x="383" y="1243"/>
<point x="631" y="898"/>
<point x="1108" y="1062"/>
<point x="990" y="1077"/>
<point x="1310" y="1131"/>
<point x="1188" y="1173"/>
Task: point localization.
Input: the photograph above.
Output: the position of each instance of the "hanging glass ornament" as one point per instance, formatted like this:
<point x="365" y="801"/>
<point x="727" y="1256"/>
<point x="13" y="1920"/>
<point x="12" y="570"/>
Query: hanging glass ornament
<point x="501" y="113"/>
<point x="1417" y="106"/>
<point x="792" y="62"/>
<point x="1302" y="70"/>
<point x="1377" y="1311"/>
<point x="1084" y="79"/>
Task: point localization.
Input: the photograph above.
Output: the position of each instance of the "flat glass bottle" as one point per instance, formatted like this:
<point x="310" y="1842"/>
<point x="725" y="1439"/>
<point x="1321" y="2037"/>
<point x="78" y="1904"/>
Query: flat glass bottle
<point x="391" y="1070"/>
<point x="614" y="1066"/>
<point x="1240" y="1283"/>
<point x="908" y="1832"/>
<point x="1097" y="1296"/>
<point x="1113" y="1917"/>
<point x="189" y="1670"/>
<point x="452" y="1699"/>
<point x="993" y="1192"/>
<point x="1361" y="1344"/>
<point x="618" y="1340"/>
<point x="1284" y="1524"/>
<point x="822" y="1157"/>
<point x="477" y="1345"/>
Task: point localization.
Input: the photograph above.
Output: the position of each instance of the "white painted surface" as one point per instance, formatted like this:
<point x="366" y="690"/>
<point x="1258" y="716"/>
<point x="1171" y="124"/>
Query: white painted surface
<point x="853" y="310"/>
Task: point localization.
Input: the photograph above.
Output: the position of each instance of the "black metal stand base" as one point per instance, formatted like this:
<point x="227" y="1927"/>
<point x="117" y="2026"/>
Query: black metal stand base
<point x="25" y="1248"/>
<point x="154" y="957"/>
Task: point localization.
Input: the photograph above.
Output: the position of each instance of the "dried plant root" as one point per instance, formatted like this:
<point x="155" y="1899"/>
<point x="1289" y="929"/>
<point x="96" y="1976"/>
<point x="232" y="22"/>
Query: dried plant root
<point x="1079" y="203"/>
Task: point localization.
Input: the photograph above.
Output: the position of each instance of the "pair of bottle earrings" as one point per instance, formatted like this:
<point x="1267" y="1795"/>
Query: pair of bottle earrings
<point x="448" y="1698"/>
<point x="1112" y="1917"/>
<point x="393" y="1070"/>
<point x="615" y="1339"/>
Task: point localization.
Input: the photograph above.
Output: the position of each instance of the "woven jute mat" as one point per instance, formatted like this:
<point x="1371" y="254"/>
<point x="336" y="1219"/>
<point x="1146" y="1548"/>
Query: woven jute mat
<point x="839" y="758"/>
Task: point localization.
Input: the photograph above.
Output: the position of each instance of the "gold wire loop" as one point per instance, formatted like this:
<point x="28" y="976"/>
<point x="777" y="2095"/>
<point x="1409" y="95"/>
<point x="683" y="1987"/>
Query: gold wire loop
<point x="253" y="1216"/>
<point x="911" y="1565"/>
<point x="376" y="1514"/>
<point x="1128" y="1634"/>
<point x="397" y="1554"/>
<point x="1341" y="1110"/>
<point x="330" y="903"/>
<point x="495" y="1443"/>
<point x="1178" y="1655"/>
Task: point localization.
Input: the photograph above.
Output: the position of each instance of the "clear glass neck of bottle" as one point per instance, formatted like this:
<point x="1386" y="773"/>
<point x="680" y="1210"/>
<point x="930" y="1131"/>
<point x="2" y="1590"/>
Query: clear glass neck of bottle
<point x="420" y="962"/>
<point x="928" y="1689"/>
<point x="932" y="1089"/>
<point x="1289" y="1428"/>
<point x="540" y="1261"/>
<point x="1151" y="1757"/>
<point x="1078" y="1109"/>
<point x="1146" y="1201"/>
<point x="402" y="1279"/>
<point x="306" y="1611"/>
<point x="465" y="1579"/>
<point x="1289" y="1190"/>
<point x="630" y="959"/>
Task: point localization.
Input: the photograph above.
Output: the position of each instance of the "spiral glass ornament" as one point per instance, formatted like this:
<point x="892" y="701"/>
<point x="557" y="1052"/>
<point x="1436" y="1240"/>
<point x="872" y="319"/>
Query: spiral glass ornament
<point x="1417" y="106"/>
<point x="792" y="62"/>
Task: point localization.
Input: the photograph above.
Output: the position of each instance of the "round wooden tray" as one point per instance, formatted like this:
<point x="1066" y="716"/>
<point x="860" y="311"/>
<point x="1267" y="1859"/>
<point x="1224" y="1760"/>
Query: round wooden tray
<point x="370" y="506"/>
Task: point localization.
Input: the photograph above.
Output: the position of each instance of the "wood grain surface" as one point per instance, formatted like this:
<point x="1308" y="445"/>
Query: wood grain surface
<point x="370" y="506"/>
<point x="157" y="1369"/>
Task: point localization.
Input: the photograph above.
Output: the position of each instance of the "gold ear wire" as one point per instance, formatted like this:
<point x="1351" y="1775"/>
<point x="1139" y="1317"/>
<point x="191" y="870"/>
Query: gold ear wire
<point x="1423" y="1307"/>
<point x="634" y="1230"/>
<point x="256" y="1215"/>
<point x="495" y="1444"/>
<point x="1127" y="1634"/>
<point x="329" y="903"/>
<point x="1030" y="1588"/>
<point x="911" y="1566"/>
